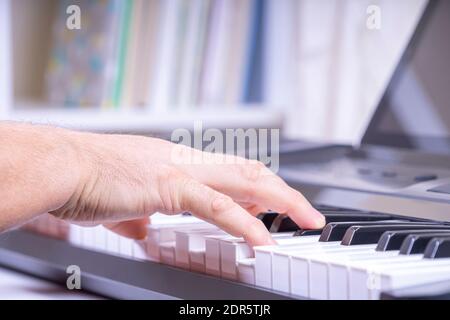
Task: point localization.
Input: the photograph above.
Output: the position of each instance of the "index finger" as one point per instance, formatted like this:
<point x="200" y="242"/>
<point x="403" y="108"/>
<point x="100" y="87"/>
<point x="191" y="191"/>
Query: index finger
<point x="254" y="183"/>
<point x="220" y="210"/>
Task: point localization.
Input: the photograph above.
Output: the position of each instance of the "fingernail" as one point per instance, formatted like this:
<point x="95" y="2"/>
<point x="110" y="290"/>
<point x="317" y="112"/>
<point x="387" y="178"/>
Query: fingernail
<point x="319" y="219"/>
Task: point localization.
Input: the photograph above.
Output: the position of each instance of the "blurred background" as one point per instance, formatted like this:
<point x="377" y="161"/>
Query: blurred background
<point x="311" y="67"/>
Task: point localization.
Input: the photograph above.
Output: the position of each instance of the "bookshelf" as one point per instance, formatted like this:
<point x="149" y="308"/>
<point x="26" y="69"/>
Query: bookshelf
<point x="26" y="34"/>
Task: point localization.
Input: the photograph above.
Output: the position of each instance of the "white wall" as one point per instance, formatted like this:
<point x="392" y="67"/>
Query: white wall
<point x="326" y="68"/>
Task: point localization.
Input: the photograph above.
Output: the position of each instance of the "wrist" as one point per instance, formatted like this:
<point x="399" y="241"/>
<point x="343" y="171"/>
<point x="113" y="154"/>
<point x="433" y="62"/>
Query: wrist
<point x="65" y="159"/>
<point x="77" y="169"/>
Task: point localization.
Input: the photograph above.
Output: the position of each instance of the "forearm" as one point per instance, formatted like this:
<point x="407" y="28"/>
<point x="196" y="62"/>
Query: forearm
<point x="39" y="170"/>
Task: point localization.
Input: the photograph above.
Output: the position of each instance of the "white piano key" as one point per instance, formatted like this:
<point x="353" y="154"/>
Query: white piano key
<point x="246" y="271"/>
<point x="161" y="219"/>
<point x="281" y="261"/>
<point x="339" y="270"/>
<point x="233" y="250"/>
<point x="112" y="242"/>
<point x="312" y="281"/>
<point x="167" y="253"/>
<point x="75" y="235"/>
<point x="162" y="233"/>
<point x="361" y="275"/>
<point x="87" y="238"/>
<point x="126" y="247"/>
<point x="213" y="254"/>
<point x="300" y="277"/>
<point x="197" y="255"/>
<point x="99" y="238"/>
<point x="190" y="240"/>
<point x="358" y="291"/>
<point x="414" y="276"/>
<point x="139" y="249"/>
<point x="161" y="224"/>
<point x="321" y="269"/>
<point x="263" y="258"/>
<point x="263" y="266"/>
<point x="197" y="260"/>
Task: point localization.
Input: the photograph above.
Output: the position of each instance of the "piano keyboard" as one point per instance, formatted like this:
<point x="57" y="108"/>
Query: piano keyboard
<point x="358" y="255"/>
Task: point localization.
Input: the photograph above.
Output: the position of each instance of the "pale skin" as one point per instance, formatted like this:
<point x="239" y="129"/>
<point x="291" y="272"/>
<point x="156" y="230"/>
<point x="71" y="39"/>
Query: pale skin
<point x="120" y="181"/>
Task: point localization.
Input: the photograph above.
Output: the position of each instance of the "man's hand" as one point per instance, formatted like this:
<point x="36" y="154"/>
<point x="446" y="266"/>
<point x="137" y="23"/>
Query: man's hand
<point x="121" y="180"/>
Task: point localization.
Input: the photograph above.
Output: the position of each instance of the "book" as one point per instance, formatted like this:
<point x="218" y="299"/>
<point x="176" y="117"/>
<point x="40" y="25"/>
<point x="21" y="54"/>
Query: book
<point x="124" y="38"/>
<point x="213" y="82"/>
<point x="193" y="52"/>
<point x="238" y="50"/>
<point x="131" y="62"/>
<point x="254" y="72"/>
<point x="160" y="92"/>
<point x="78" y="67"/>
<point x="149" y="29"/>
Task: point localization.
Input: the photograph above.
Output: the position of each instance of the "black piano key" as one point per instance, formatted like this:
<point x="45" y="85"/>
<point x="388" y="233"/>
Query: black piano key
<point x="335" y="231"/>
<point x="393" y="240"/>
<point x="324" y="207"/>
<point x="417" y="243"/>
<point x="340" y="217"/>
<point x="285" y="224"/>
<point x="267" y="218"/>
<point x="438" y="248"/>
<point x="357" y="235"/>
<point x="319" y="206"/>
<point x="425" y="178"/>
<point x="344" y="211"/>
<point x="303" y="233"/>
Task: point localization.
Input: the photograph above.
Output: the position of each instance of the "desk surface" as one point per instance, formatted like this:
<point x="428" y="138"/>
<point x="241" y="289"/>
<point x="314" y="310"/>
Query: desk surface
<point x="14" y="285"/>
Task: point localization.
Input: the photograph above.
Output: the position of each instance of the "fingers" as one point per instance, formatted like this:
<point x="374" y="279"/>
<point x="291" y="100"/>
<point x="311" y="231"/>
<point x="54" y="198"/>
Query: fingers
<point x="253" y="183"/>
<point x="253" y="209"/>
<point x="188" y="194"/>
<point x="276" y="195"/>
<point x="134" y="229"/>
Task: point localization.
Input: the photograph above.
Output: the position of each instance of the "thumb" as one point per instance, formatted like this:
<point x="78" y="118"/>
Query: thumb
<point x="134" y="229"/>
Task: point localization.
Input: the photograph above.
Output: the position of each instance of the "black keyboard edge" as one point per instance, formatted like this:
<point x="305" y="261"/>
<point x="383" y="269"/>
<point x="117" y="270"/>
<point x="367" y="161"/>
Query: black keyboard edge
<point x="117" y="277"/>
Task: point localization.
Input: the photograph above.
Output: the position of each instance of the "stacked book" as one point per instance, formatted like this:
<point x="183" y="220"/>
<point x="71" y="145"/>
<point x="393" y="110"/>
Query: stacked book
<point x="157" y="54"/>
